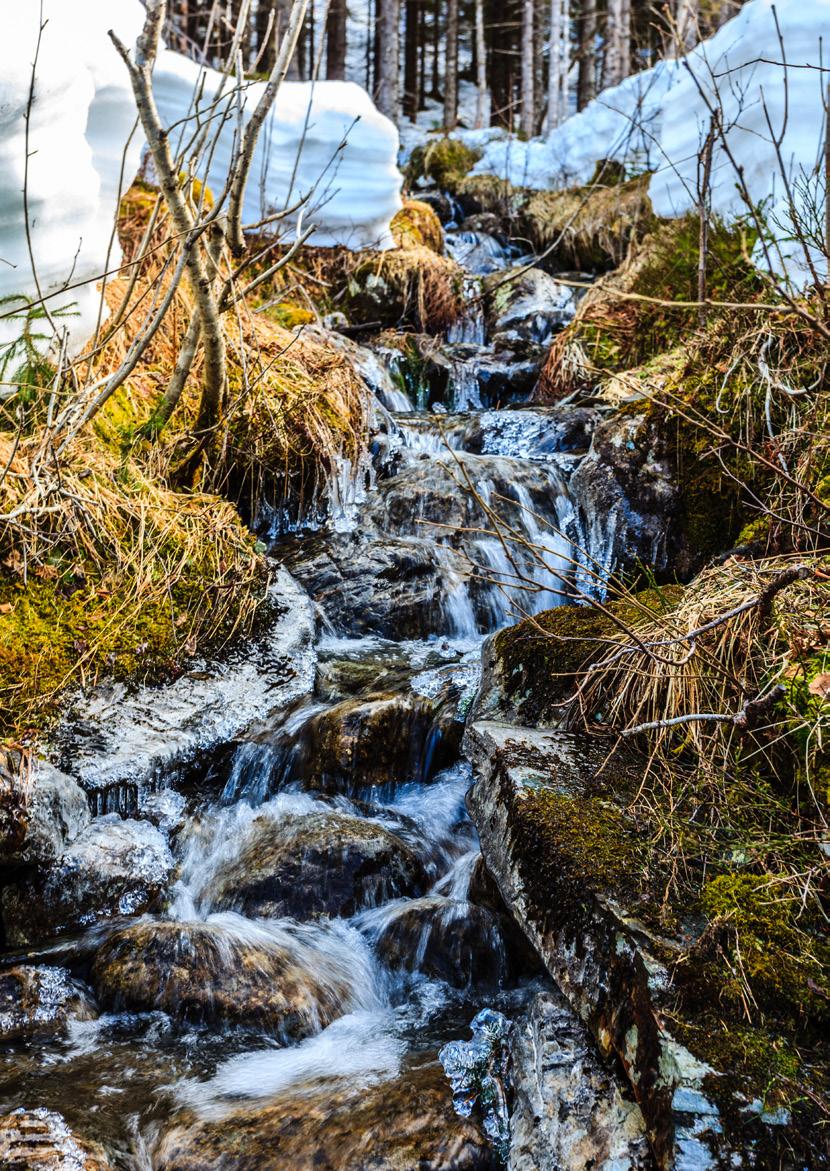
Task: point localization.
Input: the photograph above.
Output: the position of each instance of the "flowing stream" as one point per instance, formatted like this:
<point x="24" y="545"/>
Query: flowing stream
<point x="330" y="924"/>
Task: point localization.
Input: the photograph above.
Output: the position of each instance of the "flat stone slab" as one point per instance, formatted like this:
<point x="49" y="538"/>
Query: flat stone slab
<point x="576" y="897"/>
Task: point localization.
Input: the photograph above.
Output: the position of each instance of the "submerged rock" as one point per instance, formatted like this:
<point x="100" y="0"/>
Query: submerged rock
<point x="377" y="740"/>
<point x="114" y="867"/>
<point x="37" y="1001"/>
<point x="319" y="864"/>
<point x="445" y="939"/>
<point x="221" y="972"/>
<point x="41" y="1139"/>
<point x="568" y="1110"/>
<point x="404" y="1125"/>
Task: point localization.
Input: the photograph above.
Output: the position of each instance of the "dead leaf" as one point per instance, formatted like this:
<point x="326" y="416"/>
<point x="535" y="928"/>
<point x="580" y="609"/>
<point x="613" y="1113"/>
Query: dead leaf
<point x="820" y="686"/>
<point x="6" y="607"/>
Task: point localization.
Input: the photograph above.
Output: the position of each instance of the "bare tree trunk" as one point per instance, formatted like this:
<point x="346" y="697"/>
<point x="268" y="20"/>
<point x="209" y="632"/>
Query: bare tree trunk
<point x="389" y="59"/>
<point x="617" y="42"/>
<point x="539" y="18"/>
<point x="412" y="10"/>
<point x="451" y="69"/>
<point x="587" y="82"/>
<point x="687" y="17"/>
<point x="435" y="91"/>
<point x="526" y="120"/>
<point x="558" y="65"/>
<point x="336" y="43"/>
<point x="481" y="66"/>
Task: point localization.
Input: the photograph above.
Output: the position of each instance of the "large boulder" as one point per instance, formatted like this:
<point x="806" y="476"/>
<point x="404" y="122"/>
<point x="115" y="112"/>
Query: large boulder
<point x="37" y="1001"/>
<point x="114" y="867"/>
<point x="317" y="864"/>
<point x="404" y="1125"/>
<point x="212" y="972"/>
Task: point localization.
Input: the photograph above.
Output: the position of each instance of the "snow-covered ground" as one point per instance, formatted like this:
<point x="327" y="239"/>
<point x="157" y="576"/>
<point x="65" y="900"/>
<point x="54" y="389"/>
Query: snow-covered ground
<point x="325" y="142"/>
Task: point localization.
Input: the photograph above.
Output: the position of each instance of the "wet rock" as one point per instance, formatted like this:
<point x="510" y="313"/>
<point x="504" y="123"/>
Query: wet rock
<point x="114" y="867"/>
<point x="526" y="303"/>
<point x="365" y="362"/>
<point x="445" y="939"/>
<point x="319" y="864"/>
<point x="404" y="1125"/>
<point x="218" y="972"/>
<point x="571" y="869"/>
<point x="568" y="1108"/>
<point x="530" y="432"/>
<point x="37" y="1001"/>
<point x="117" y="741"/>
<point x="41" y="1139"/>
<point x="391" y="586"/>
<point x="627" y="495"/>
<point x="380" y="740"/>
<point x="42" y="810"/>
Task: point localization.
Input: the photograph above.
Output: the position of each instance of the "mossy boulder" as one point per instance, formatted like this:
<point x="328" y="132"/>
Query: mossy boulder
<point x="318" y="864"/>
<point x="417" y="224"/>
<point x="404" y="1124"/>
<point x="443" y="162"/>
<point x="526" y="304"/>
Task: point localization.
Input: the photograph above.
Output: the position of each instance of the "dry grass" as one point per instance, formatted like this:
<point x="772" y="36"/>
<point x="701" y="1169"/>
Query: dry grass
<point x="417" y="223"/>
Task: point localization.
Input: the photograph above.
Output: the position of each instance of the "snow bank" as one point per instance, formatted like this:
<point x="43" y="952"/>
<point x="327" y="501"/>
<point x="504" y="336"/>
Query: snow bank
<point x="324" y="140"/>
<point x="82" y="137"/>
<point x="622" y="123"/>
<point x="658" y="120"/>
<point x="82" y="115"/>
<point x="741" y="70"/>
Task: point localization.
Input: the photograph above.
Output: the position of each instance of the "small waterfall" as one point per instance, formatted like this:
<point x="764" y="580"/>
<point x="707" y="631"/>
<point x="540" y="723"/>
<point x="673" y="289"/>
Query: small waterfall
<point x="470" y="329"/>
<point x="479" y="252"/>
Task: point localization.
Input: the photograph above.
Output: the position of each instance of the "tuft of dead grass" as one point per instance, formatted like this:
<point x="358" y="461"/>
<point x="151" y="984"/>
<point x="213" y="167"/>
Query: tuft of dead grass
<point x="416" y="223"/>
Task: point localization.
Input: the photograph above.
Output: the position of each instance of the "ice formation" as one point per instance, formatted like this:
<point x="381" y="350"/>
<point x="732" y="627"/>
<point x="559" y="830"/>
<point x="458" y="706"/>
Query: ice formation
<point x="657" y="120"/>
<point x="325" y="140"/>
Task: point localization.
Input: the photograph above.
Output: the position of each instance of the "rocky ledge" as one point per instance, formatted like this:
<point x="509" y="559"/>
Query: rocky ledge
<point x="570" y="869"/>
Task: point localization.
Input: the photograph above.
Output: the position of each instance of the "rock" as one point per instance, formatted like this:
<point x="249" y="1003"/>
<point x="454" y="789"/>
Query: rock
<point x="365" y="362"/>
<point x="41" y="1139"/>
<point x="573" y="872"/>
<point x="318" y="864"/>
<point x="114" y="867"/>
<point x="117" y="741"/>
<point x="39" y="1001"/>
<point x="445" y="939"/>
<point x="404" y="1125"/>
<point x="568" y="1109"/>
<point x="530" y="432"/>
<point x="42" y="810"/>
<point x="375" y="741"/>
<point x="221" y="971"/>
<point x="526" y="303"/>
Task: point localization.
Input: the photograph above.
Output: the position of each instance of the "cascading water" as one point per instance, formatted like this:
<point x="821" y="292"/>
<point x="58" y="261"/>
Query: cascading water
<point x="328" y="929"/>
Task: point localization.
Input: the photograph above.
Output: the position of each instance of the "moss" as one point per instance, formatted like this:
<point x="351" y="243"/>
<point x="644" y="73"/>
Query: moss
<point x="540" y="659"/>
<point x="417" y="223"/>
<point x="443" y="161"/>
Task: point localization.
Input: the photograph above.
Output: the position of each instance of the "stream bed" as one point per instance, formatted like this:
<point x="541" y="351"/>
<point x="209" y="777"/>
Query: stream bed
<point x="320" y="927"/>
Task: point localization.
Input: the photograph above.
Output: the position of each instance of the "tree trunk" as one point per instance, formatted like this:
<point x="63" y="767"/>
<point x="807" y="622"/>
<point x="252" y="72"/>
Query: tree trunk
<point x="686" y="18"/>
<point x="410" y="59"/>
<point x="451" y="69"/>
<point x="265" y="36"/>
<point x="587" y="81"/>
<point x="559" y="61"/>
<point x="435" y="91"/>
<point x="617" y="42"/>
<point x="389" y="54"/>
<point x="336" y="41"/>
<point x="541" y="10"/>
<point x="528" y="109"/>
<point x="481" y="67"/>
